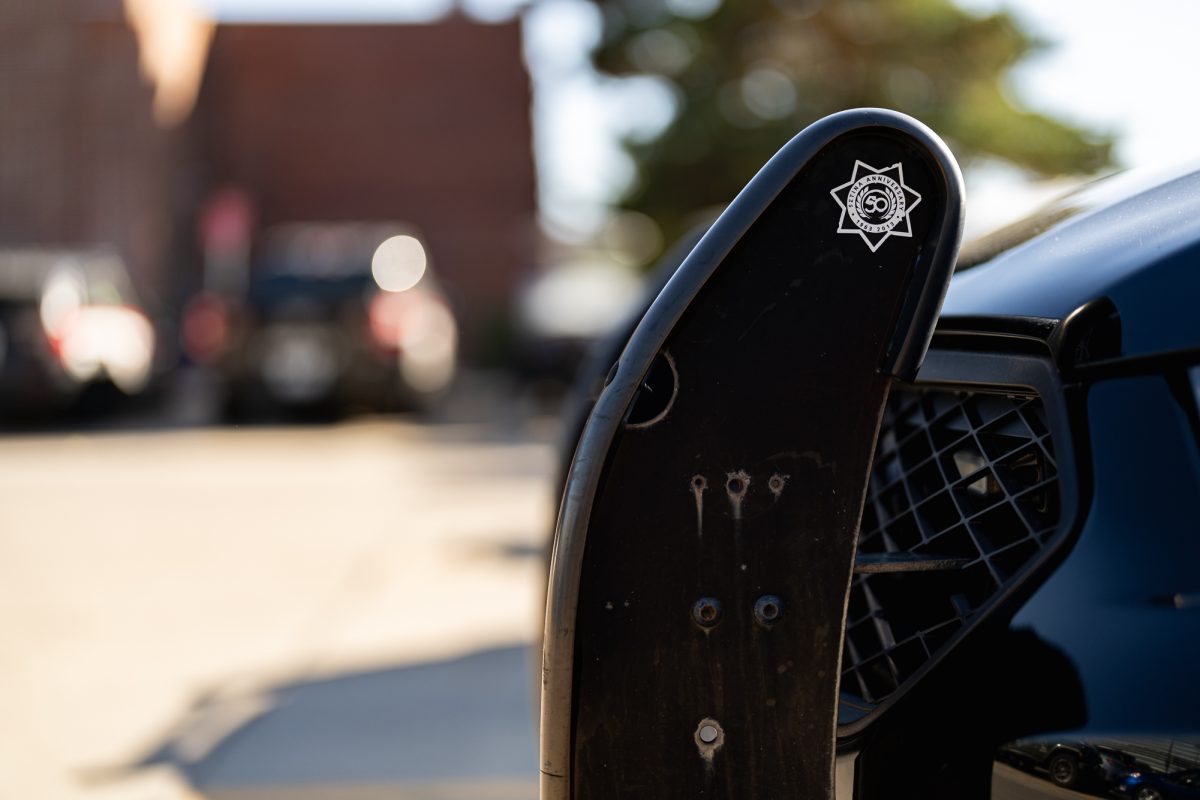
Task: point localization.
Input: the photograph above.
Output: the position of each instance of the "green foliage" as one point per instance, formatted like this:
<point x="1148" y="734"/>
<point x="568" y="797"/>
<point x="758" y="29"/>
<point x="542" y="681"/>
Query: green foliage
<point x="749" y="74"/>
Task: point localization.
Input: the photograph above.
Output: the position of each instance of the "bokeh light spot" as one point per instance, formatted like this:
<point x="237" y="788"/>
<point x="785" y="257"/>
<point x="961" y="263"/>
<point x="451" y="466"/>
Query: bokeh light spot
<point x="398" y="263"/>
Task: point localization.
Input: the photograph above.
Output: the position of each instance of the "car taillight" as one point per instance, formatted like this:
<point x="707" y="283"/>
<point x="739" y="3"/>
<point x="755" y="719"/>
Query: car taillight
<point x="397" y="320"/>
<point x="384" y="314"/>
<point x="205" y="329"/>
<point x="117" y="341"/>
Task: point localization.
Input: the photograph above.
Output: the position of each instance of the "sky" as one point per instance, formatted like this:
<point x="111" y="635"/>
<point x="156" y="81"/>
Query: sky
<point x="1126" y="68"/>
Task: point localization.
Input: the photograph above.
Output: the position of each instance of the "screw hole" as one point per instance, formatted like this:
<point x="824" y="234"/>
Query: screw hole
<point x="736" y="483"/>
<point x="706" y="612"/>
<point x="709" y="738"/>
<point x="768" y="609"/>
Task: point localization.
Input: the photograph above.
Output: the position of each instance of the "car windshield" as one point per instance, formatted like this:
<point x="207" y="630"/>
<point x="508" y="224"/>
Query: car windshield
<point x="1087" y="197"/>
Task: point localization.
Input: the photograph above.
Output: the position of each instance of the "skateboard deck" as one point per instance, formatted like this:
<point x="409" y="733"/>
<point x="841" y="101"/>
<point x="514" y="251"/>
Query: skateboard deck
<point x="706" y="538"/>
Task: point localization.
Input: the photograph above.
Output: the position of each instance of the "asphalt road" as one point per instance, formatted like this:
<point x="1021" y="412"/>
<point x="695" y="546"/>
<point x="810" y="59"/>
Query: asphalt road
<point x="337" y="611"/>
<point x="1013" y="784"/>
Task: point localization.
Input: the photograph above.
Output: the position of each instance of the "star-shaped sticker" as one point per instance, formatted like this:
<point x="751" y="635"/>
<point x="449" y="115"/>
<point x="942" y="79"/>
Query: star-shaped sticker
<point x="875" y="204"/>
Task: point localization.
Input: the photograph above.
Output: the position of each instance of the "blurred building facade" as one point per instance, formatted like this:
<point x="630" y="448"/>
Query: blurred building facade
<point x="83" y="162"/>
<point x="427" y="125"/>
<point x="121" y="121"/>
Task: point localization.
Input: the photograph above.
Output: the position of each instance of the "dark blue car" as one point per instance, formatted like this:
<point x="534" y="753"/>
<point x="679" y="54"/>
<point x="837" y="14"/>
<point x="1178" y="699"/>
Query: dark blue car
<point x="1183" y="785"/>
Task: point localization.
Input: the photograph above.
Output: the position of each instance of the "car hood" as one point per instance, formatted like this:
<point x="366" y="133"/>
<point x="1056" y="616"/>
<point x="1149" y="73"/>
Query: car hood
<point x="1133" y="239"/>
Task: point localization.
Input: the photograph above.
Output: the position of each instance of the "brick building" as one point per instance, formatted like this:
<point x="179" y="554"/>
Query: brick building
<point x="423" y="124"/>
<point x="427" y="124"/>
<point x="82" y="159"/>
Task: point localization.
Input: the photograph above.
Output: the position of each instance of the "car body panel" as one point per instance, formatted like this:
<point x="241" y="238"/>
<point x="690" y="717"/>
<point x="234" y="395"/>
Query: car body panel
<point x="1133" y="570"/>
<point x="1128" y="239"/>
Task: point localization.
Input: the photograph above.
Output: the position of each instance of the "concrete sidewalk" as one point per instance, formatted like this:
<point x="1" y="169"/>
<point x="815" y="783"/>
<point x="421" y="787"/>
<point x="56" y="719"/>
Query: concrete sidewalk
<point x="323" y="611"/>
<point x="458" y="727"/>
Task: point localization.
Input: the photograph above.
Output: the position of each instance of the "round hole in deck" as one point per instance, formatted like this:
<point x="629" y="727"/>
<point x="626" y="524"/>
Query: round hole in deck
<point x="735" y="485"/>
<point x="706" y="612"/>
<point x="768" y="609"/>
<point x="656" y="394"/>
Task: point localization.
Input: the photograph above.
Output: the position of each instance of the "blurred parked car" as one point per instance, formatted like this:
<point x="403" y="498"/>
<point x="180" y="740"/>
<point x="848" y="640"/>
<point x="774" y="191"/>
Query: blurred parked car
<point x="338" y="315"/>
<point x="1183" y="785"/>
<point x="1071" y="763"/>
<point x="69" y="319"/>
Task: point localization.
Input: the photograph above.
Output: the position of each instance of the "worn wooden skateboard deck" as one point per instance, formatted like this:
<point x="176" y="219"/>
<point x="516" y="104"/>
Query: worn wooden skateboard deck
<point x="706" y="539"/>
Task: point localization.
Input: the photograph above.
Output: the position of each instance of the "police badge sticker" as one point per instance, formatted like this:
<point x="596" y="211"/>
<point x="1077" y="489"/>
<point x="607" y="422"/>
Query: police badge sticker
<point x="875" y="204"/>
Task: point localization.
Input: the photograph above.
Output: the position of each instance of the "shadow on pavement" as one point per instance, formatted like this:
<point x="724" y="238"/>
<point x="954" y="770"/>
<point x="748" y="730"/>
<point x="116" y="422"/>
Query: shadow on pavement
<point x="464" y="722"/>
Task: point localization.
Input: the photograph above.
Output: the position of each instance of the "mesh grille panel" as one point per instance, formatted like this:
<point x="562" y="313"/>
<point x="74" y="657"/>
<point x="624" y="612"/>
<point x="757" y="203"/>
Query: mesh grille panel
<point x="959" y="475"/>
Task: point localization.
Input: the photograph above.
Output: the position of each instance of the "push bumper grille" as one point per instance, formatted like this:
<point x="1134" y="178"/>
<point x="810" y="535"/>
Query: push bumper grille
<point x="962" y="481"/>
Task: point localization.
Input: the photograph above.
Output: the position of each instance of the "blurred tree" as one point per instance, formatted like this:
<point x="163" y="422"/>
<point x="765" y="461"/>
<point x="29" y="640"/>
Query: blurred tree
<point x="748" y="74"/>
